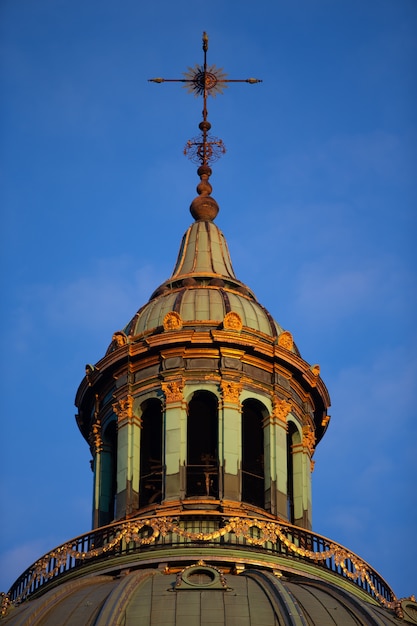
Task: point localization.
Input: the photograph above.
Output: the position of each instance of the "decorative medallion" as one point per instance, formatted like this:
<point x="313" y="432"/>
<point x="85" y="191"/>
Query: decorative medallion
<point x="172" y="321"/>
<point x="285" y="340"/>
<point x="232" y="321"/>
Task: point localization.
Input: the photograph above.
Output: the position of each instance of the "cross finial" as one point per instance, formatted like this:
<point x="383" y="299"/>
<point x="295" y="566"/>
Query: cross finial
<point x="203" y="80"/>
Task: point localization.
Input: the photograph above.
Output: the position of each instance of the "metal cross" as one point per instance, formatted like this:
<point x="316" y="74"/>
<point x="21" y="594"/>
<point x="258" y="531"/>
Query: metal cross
<point x="204" y="80"/>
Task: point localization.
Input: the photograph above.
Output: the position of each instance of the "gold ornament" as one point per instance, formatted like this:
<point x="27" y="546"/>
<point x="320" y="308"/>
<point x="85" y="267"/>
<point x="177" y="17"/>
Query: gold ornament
<point x="230" y="391"/>
<point x="232" y="321"/>
<point x="173" y="391"/>
<point x="280" y="409"/>
<point x="172" y="321"/>
<point x="123" y="408"/>
<point x="285" y="340"/>
<point x="309" y="439"/>
<point x="146" y="531"/>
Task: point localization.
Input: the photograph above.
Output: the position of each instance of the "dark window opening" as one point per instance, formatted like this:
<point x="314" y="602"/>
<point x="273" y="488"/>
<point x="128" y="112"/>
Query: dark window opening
<point x="108" y="479"/>
<point x="292" y="432"/>
<point x="253" y="480"/>
<point x="151" y="468"/>
<point x="202" y="445"/>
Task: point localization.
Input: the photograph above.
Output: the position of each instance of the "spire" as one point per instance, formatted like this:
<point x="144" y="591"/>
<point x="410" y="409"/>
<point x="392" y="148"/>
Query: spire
<point x="203" y="80"/>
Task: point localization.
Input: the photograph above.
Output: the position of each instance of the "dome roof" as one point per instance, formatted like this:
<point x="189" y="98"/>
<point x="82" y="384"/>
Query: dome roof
<point x="201" y="593"/>
<point x="203" y="288"/>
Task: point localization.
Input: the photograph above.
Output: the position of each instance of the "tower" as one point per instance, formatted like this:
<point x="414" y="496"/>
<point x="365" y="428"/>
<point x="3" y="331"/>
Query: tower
<point x="202" y="419"/>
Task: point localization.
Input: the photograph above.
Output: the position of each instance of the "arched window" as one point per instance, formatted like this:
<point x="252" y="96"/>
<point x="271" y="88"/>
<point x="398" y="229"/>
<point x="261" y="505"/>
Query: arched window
<point x="108" y="475"/>
<point x="151" y="474"/>
<point x="253" y="480"/>
<point x="202" y="445"/>
<point x="293" y="437"/>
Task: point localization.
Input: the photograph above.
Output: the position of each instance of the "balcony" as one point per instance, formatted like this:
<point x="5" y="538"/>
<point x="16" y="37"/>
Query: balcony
<point x="147" y="541"/>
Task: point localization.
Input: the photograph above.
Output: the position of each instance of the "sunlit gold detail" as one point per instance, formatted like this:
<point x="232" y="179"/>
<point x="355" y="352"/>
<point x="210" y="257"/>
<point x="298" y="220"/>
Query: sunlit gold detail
<point x="312" y="464"/>
<point x="285" y="340"/>
<point x="200" y="79"/>
<point x="315" y="369"/>
<point x="123" y="408"/>
<point x="146" y="532"/>
<point x="280" y="409"/>
<point x="325" y="421"/>
<point x="232" y="321"/>
<point x="95" y="439"/>
<point x="309" y="439"/>
<point x="4" y="604"/>
<point x="119" y="338"/>
<point x="230" y="391"/>
<point x="172" y="321"/>
<point x="173" y="390"/>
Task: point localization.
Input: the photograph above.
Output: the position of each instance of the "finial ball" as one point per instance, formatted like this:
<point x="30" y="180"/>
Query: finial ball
<point x="204" y="208"/>
<point x="204" y="125"/>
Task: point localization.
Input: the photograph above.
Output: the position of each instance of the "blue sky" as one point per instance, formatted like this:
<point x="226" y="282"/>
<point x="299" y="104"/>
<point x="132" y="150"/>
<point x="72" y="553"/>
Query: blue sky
<point x="317" y="200"/>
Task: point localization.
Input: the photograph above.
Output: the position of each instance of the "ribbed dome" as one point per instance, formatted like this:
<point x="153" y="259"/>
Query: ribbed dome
<point x="203" y="288"/>
<point x="203" y="304"/>
<point x="200" y="594"/>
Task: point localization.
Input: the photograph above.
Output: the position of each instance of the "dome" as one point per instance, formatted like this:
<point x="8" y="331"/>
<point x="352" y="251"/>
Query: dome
<point x="200" y="593"/>
<point x="203" y="289"/>
<point x="203" y="303"/>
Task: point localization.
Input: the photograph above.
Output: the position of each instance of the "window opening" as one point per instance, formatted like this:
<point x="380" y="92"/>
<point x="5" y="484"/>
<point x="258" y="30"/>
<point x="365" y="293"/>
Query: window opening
<point x="151" y="468"/>
<point x="202" y="445"/>
<point x="253" y="480"/>
<point x="292" y="435"/>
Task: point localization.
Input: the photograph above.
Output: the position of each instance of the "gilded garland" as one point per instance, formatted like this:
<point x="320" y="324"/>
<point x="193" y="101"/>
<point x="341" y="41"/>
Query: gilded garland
<point x="145" y="532"/>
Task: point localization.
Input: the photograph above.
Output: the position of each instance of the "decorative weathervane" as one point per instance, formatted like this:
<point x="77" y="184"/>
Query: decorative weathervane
<point x="204" y="80"/>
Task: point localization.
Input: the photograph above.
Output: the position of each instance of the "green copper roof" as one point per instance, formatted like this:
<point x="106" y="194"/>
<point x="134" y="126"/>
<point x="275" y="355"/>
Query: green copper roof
<point x="203" y="288"/>
<point x="204" y="251"/>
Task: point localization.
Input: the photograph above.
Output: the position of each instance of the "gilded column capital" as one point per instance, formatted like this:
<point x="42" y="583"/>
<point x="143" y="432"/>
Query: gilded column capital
<point x="123" y="409"/>
<point x="309" y="439"/>
<point x="280" y="410"/>
<point x="173" y="391"/>
<point x="230" y="391"/>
